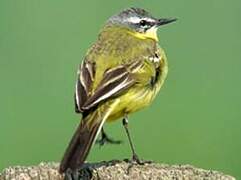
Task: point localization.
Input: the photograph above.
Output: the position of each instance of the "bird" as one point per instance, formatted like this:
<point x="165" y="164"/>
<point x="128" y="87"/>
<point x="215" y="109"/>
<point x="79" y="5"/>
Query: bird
<point x="121" y="73"/>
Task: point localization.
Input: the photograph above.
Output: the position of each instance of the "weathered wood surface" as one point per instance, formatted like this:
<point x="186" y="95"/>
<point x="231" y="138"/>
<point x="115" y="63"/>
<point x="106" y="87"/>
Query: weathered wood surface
<point x="115" y="170"/>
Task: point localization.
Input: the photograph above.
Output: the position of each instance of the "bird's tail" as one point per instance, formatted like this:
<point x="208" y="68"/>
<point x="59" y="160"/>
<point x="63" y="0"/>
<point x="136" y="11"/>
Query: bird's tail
<point x="84" y="137"/>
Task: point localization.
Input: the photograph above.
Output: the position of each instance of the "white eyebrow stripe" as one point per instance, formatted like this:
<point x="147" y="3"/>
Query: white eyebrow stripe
<point x="136" y="19"/>
<point x="133" y="19"/>
<point x="149" y="19"/>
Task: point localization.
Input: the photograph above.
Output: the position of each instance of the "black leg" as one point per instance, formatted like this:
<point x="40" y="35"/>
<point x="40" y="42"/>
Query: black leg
<point x="135" y="158"/>
<point x="106" y="140"/>
<point x="134" y="155"/>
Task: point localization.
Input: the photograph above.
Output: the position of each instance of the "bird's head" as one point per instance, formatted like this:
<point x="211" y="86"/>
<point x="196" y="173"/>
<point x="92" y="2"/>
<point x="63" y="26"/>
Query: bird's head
<point x="139" y="22"/>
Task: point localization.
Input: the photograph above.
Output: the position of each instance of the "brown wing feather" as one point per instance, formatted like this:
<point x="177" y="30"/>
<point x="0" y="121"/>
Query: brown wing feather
<point x="84" y="83"/>
<point x="109" y="90"/>
<point x="115" y="81"/>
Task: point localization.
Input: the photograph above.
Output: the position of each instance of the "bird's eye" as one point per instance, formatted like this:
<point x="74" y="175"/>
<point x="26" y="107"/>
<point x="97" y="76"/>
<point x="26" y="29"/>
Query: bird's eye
<point x="143" y="23"/>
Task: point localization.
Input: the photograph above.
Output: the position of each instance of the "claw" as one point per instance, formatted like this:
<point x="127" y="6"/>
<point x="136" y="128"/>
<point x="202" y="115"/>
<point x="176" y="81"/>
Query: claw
<point x="107" y="140"/>
<point x="136" y="161"/>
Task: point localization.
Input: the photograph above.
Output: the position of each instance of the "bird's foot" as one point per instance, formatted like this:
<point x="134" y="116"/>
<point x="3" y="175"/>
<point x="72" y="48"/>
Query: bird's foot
<point x="79" y="174"/>
<point x="136" y="161"/>
<point x="107" y="140"/>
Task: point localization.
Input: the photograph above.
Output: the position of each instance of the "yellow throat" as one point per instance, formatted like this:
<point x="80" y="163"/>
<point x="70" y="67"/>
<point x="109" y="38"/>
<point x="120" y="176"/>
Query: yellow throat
<point x="149" y="34"/>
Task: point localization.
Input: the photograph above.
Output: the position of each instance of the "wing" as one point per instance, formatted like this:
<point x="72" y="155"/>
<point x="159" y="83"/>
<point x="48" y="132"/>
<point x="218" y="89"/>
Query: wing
<point x="84" y="83"/>
<point x="114" y="82"/>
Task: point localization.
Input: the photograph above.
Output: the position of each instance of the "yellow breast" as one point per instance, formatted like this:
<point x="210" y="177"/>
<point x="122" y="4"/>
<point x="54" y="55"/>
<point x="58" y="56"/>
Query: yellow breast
<point x="141" y="95"/>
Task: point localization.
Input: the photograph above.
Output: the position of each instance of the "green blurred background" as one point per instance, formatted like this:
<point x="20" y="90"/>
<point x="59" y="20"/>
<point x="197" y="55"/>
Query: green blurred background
<point x="196" y="118"/>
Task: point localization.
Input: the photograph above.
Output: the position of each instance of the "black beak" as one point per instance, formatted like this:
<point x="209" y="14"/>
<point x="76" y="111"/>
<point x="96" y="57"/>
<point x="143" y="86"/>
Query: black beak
<point x="164" y="21"/>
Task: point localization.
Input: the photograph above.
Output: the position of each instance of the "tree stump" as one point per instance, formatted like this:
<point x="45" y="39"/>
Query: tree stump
<point x="115" y="170"/>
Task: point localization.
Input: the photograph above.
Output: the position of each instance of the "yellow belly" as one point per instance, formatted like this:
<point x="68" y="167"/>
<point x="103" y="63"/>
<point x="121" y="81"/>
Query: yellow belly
<point x="140" y="95"/>
<point x="132" y="101"/>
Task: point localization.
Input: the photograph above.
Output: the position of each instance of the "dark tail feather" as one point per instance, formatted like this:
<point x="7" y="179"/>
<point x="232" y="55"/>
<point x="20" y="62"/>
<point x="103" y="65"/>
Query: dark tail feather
<point x="79" y="146"/>
<point x="84" y="137"/>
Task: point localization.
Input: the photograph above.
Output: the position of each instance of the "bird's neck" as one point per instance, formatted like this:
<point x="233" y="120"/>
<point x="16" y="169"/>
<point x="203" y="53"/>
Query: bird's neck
<point x="150" y="35"/>
<point x="122" y="39"/>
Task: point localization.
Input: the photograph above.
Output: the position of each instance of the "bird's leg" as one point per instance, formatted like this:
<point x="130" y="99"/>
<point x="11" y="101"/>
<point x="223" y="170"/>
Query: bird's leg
<point x="106" y="140"/>
<point x="135" y="157"/>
